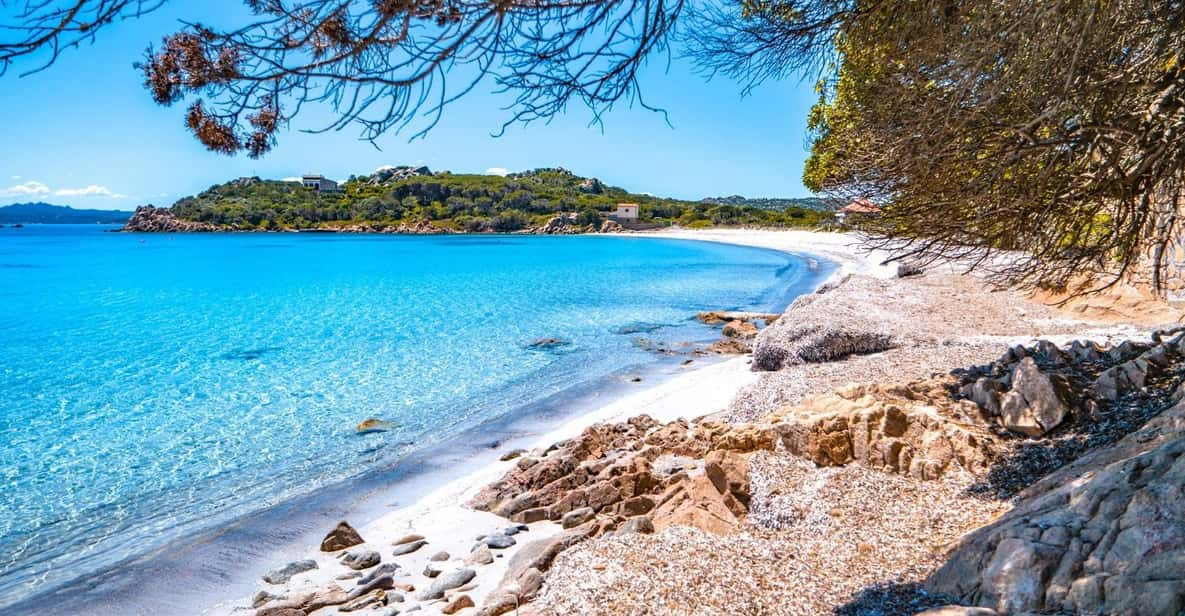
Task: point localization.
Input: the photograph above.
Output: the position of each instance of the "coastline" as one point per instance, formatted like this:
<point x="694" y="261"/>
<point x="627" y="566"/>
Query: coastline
<point x="282" y="533"/>
<point x="440" y="511"/>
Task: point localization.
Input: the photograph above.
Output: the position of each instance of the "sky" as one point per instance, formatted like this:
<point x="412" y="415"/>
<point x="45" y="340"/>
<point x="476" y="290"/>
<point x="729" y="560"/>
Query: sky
<point x="85" y="133"/>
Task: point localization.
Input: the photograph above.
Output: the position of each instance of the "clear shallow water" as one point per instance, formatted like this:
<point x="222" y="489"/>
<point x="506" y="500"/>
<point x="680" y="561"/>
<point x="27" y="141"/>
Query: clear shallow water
<point x="158" y="385"/>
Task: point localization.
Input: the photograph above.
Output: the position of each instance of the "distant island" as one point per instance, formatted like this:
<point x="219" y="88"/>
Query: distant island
<point x="46" y="213"/>
<point x="417" y="200"/>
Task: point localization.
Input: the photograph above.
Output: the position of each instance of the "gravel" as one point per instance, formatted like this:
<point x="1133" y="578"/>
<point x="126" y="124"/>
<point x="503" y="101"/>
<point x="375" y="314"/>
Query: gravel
<point x="817" y="540"/>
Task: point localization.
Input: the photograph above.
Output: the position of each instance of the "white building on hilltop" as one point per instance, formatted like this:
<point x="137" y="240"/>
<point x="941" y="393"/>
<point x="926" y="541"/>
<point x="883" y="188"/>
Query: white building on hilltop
<point x="320" y="183"/>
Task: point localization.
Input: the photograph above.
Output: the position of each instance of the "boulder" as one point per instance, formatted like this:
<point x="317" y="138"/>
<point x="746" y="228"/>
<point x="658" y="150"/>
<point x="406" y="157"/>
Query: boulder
<point x="361" y="559"/>
<point x="576" y="517"/>
<point x="341" y="537"/>
<point x="1104" y="534"/>
<point x="408" y="548"/>
<point x="611" y="226"/>
<point x="447" y="581"/>
<point x="1037" y="402"/>
<point x="457" y="604"/>
<point x="285" y="573"/>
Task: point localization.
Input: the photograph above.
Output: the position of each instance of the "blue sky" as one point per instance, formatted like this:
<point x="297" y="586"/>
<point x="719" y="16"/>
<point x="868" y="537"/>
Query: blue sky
<point x="85" y="133"/>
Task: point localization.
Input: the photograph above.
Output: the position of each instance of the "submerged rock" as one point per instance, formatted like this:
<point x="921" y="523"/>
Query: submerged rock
<point x="373" y="424"/>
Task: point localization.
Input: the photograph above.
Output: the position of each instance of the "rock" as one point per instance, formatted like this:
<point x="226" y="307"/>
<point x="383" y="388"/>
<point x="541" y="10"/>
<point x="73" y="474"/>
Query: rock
<point x="382" y="582"/>
<point x="577" y="517"/>
<point x="730" y="346"/>
<point x="408" y="548"/>
<point x="457" y="604"/>
<point x="373" y="425"/>
<point x="383" y="569"/>
<point x="958" y="610"/>
<point x="341" y="537"/>
<point x="285" y="573"/>
<point x="986" y="393"/>
<point x="1036" y="403"/>
<point x="305" y="603"/>
<point x="715" y="317"/>
<point x="362" y="559"/>
<point x="640" y="524"/>
<point x="430" y="571"/>
<point x="498" y="541"/>
<point x="375" y="598"/>
<point x="510" y="455"/>
<point x="740" y="329"/>
<point x="448" y="581"/>
<point x="352" y="575"/>
<point x="548" y="343"/>
<point x="828" y="326"/>
<point x="611" y="226"/>
<point x="1104" y="534"/>
<point x="915" y="429"/>
<point x="410" y="538"/>
<point x="263" y="597"/>
<point x="151" y="219"/>
<point x="908" y="268"/>
<point x="481" y="556"/>
<point x="439" y="556"/>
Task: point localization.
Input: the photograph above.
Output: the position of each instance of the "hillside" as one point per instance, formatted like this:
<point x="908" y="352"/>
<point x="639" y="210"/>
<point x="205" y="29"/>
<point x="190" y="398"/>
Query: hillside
<point x="454" y="201"/>
<point x="58" y="214"/>
<point x="810" y="203"/>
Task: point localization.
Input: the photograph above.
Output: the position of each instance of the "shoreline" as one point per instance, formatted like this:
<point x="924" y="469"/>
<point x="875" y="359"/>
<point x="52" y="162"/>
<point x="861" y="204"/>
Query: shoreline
<point x="696" y="393"/>
<point x="283" y="532"/>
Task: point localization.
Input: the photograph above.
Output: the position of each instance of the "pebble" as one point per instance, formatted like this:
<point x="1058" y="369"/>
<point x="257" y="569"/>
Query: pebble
<point x="510" y="455"/>
<point x="439" y="556"/>
<point x="349" y="576"/>
<point x="384" y="582"/>
<point x="516" y="529"/>
<point x="408" y="539"/>
<point x="448" y="581"/>
<point x="408" y="548"/>
<point x="285" y="573"/>
<point x="431" y="572"/>
<point x="457" y="604"/>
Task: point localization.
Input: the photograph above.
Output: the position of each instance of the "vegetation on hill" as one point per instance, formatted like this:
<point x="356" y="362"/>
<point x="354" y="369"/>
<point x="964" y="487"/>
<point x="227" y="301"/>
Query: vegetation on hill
<point x="812" y="203"/>
<point x="463" y="202"/>
<point x="58" y="214"/>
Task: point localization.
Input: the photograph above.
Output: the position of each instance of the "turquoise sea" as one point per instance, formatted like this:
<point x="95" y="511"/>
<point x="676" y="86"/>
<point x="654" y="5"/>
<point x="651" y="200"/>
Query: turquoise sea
<point x="158" y="386"/>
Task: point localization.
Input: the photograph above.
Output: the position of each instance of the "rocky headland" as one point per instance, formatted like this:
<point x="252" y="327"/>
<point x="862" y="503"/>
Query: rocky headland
<point x="904" y="445"/>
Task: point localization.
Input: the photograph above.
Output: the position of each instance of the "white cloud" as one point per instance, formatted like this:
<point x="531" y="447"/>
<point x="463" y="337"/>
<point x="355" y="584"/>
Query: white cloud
<point x="502" y="171"/>
<point x="93" y="190"/>
<point x="16" y="177"/>
<point x="291" y="179"/>
<point x="25" y="189"/>
<point x="383" y="168"/>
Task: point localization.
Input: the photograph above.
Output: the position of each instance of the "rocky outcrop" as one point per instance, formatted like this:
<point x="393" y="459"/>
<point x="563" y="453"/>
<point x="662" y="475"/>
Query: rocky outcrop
<point x="559" y="225"/>
<point x="150" y="219"/>
<point x="1105" y="534"/>
<point x="623" y="470"/>
<point x="917" y="430"/>
<point x="611" y="226"/>
<point x="390" y="175"/>
<point x="818" y="329"/>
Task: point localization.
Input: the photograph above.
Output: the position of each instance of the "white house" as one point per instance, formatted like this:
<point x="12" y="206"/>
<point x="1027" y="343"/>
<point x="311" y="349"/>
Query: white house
<point x="320" y="183"/>
<point x="625" y="212"/>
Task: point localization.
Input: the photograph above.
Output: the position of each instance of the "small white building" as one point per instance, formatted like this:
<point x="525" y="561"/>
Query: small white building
<point x="625" y="212"/>
<point x="320" y="183"/>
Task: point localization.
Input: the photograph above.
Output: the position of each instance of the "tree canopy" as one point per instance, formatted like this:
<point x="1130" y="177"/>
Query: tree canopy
<point x="1046" y="128"/>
